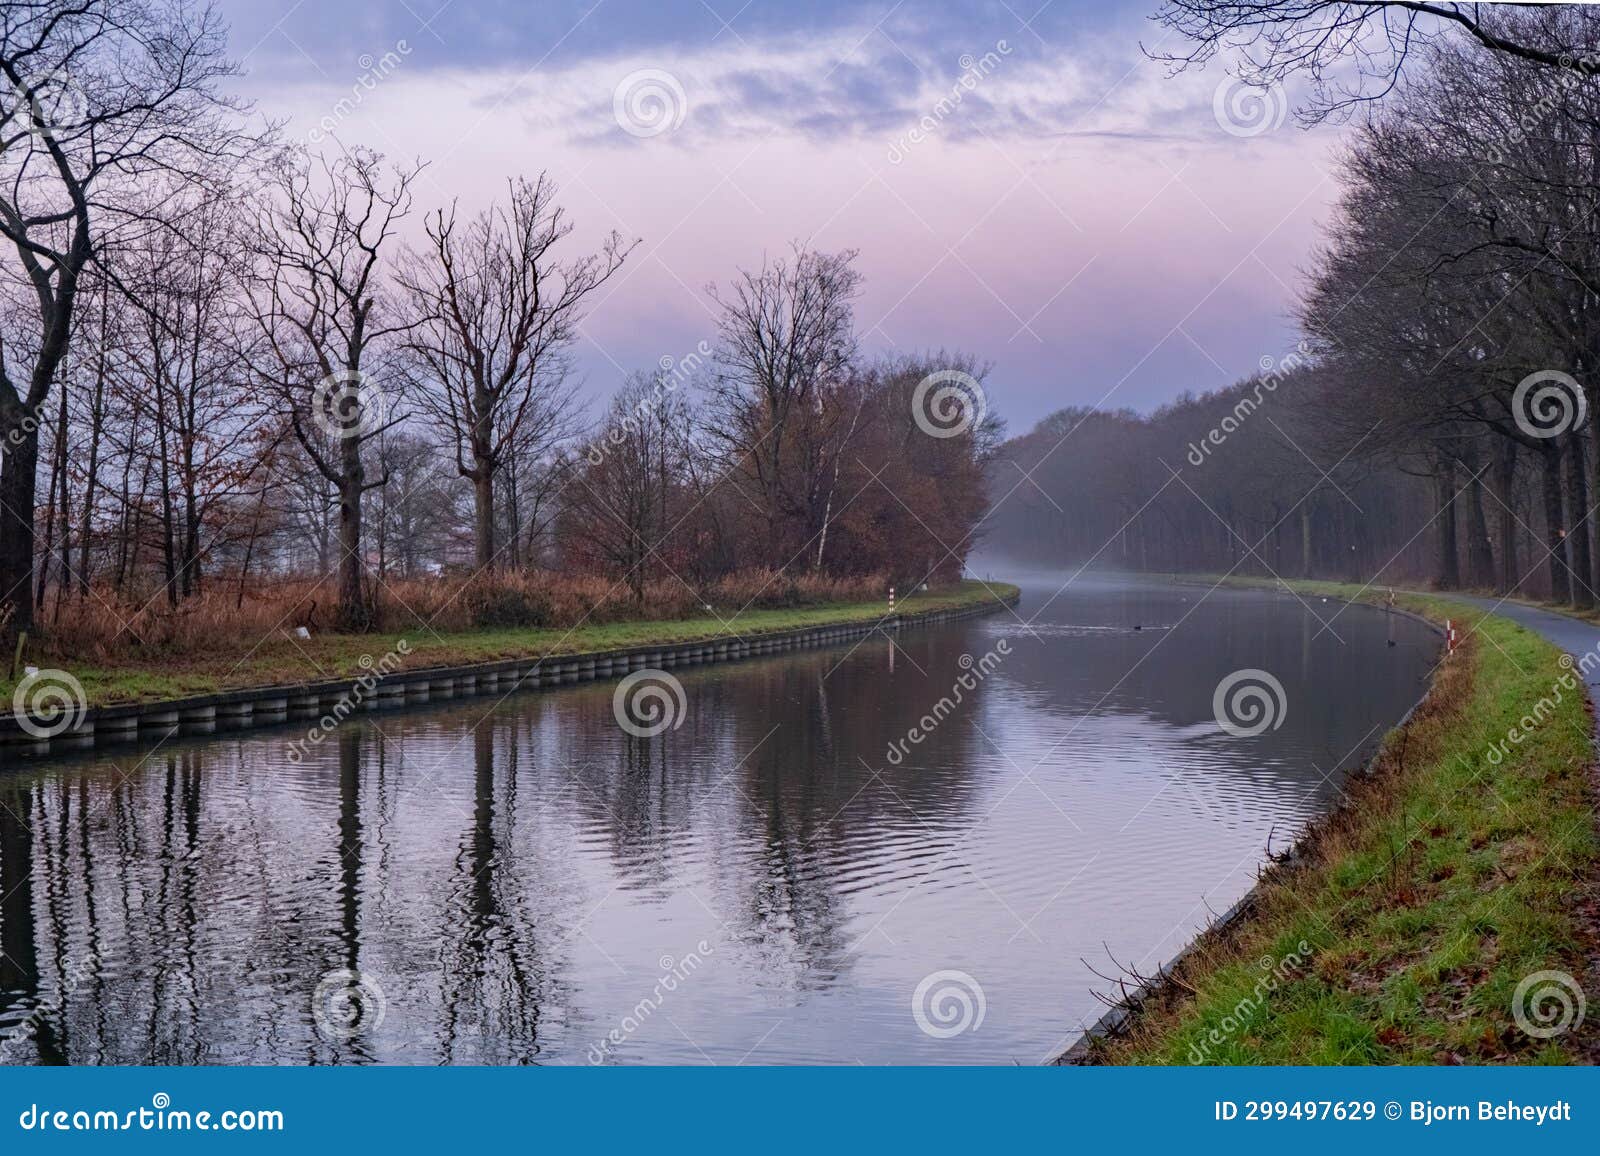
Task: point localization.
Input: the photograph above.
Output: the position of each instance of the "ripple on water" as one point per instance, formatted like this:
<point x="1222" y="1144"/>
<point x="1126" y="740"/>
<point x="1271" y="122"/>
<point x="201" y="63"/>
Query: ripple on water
<point x="516" y="877"/>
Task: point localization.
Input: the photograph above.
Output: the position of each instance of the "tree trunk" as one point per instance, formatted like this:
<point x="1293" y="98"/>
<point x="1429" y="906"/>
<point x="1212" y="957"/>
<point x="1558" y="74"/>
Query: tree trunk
<point x="64" y="516"/>
<point x="190" y="558"/>
<point x="58" y="477"/>
<point x="483" y="520"/>
<point x="1448" y="567"/>
<point x="169" y="554"/>
<point x="1578" y="534"/>
<point x="18" y="491"/>
<point x="354" y="614"/>
<point x="1480" y="558"/>
<point x="1555" y="535"/>
<point x="1505" y="476"/>
<point x="249" y="549"/>
<point x="1594" y="447"/>
<point x="91" y="479"/>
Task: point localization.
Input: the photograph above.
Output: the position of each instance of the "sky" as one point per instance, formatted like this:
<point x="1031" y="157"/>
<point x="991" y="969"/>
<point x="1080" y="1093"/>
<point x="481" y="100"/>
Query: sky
<point x="1022" y="182"/>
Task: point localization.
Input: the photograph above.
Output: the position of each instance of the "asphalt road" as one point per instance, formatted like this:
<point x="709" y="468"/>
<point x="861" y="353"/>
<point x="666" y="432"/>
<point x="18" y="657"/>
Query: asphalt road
<point x="1572" y="635"/>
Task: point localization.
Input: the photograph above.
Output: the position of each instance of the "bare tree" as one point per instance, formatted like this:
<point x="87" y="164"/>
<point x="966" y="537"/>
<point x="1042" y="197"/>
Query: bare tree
<point x="1354" y="50"/>
<point x="787" y="335"/>
<point x="619" y="507"/>
<point x="100" y="102"/>
<point x="493" y="312"/>
<point x="316" y="296"/>
<point x="175" y="286"/>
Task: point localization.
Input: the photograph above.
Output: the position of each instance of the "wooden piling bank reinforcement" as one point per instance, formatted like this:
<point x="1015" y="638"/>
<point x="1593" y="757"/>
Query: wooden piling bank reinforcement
<point x="235" y="710"/>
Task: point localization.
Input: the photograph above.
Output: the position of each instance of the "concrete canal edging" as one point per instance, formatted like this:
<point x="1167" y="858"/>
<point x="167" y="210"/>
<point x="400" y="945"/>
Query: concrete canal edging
<point x="246" y="708"/>
<point x="1119" y="1017"/>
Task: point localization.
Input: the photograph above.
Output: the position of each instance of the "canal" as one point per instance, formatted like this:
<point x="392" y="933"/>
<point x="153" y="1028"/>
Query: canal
<point x="916" y="850"/>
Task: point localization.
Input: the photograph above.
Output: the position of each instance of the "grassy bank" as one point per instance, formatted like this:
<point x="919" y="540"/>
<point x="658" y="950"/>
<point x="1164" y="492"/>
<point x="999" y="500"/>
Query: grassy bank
<point x="280" y="658"/>
<point x="1460" y="864"/>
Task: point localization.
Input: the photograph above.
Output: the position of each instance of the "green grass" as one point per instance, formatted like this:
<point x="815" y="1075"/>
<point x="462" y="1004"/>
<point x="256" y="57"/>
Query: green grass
<point x="1424" y="902"/>
<point x="280" y="660"/>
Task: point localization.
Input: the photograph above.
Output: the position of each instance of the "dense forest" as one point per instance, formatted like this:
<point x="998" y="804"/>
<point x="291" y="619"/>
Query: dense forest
<point x="1440" y="420"/>
<point x="246" y="384"/>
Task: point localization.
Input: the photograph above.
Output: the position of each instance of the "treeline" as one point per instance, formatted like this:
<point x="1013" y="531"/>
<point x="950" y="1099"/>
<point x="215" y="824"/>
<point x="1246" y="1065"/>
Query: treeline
<point x="1441" y="420"/>
<point x="230" y="369"/>
<point x="1207" y="484"/>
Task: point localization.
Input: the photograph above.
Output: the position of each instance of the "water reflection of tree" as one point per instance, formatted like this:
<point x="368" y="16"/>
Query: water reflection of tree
<point x="19" y="958"/>
<point x="494" y="977"/>
<point x="217" y="883"/>
<point x="774" y="787"/>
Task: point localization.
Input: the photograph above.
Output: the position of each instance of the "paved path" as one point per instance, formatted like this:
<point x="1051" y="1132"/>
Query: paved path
<point x="1570" y="634"/>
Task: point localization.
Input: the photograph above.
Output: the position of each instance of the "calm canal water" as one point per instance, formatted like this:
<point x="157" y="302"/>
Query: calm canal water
<point x="785" y="877"/>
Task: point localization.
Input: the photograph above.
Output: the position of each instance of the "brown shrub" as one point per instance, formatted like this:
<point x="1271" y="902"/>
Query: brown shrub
<point x="105" y="625"/>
